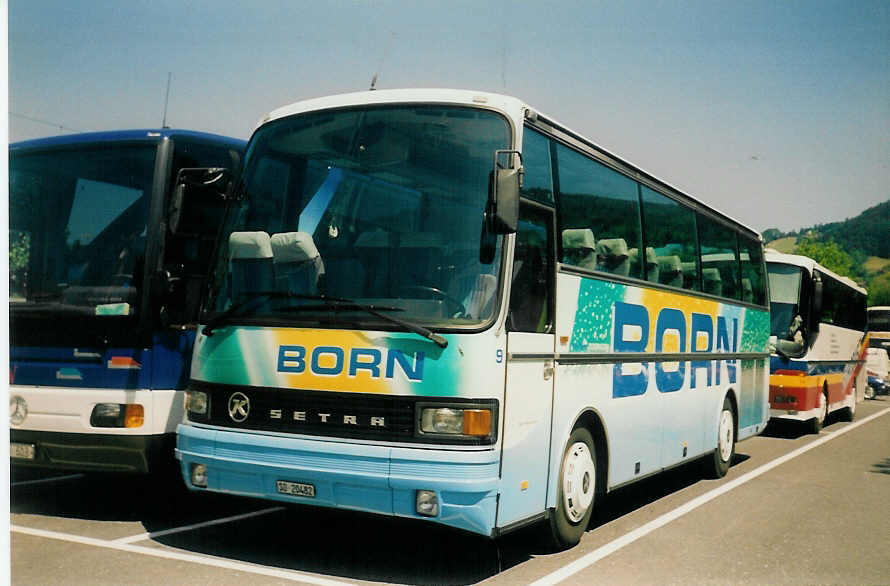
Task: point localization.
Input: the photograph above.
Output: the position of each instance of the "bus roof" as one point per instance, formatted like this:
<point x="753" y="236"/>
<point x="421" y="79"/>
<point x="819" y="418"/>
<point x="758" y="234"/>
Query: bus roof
<point x="149" y="135"/>
<point x="772" y="255"/>
<point x="514" y="107"/>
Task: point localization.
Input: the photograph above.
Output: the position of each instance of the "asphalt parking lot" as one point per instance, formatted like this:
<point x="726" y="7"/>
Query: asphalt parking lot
<point x="95" y="529"/>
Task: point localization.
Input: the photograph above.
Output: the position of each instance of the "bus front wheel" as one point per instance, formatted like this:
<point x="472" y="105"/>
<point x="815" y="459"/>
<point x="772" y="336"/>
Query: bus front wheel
<point x="718" y="463"/>
<point x="577" y="489"/>
<point x="816" y="424"/>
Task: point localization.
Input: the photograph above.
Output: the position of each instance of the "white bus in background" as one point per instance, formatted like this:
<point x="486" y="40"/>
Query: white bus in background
<point x="879" y="327"/>
<point x="395" y="326"/>
<point x="879" y="347"/>
<point x="818" y="319"/>
<point x="878" y="365"/>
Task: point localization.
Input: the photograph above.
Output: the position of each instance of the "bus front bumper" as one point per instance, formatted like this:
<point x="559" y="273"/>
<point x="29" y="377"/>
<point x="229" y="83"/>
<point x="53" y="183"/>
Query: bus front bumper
<point x="91" y="452"/>
<point x="370" y="478"/>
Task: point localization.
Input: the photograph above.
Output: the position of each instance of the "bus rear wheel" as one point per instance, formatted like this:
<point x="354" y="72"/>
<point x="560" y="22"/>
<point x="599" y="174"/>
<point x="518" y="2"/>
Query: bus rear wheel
<point x="718" y="464"/>
<point x="577" y="490"/>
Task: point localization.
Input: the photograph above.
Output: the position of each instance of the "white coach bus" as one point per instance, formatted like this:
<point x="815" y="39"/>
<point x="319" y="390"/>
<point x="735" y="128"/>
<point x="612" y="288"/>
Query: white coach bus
<point x="819" y="322"/>
<point x="445" y="305"/>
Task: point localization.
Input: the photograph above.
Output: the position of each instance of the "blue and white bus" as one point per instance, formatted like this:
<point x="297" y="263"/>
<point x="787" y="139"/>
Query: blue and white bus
<point x="394" y="325"/>
<point x="106" y="270"/>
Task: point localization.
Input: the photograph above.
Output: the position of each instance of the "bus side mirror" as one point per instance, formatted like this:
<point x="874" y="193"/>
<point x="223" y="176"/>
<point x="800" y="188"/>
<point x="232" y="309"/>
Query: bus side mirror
<point x="816" y="313"/>
<point x="199" y="200"/>
<point x="503" y="198"/>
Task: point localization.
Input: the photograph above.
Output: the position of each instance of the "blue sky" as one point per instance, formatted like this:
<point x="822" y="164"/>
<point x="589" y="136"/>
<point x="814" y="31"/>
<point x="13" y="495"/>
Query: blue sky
<point x="775" y="113"/>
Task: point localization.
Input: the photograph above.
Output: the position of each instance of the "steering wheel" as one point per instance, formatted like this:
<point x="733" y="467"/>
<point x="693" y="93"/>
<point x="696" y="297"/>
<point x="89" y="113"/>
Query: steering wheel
<point x="440" y="294"/>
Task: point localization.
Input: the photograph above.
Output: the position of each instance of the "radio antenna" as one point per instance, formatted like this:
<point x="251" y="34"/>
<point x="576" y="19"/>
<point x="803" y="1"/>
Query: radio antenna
<point x="166" y="100"/>
<point x="382" y="61"/>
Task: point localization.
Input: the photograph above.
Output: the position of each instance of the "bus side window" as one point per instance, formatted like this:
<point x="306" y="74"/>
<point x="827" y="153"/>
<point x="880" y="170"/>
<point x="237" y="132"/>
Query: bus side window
<point x="671" y="230"/>
<point x="604" y="203"/>
<point x="530" y="292"/>
<point x="538" y="181"/>
<point x="753" y="281"/>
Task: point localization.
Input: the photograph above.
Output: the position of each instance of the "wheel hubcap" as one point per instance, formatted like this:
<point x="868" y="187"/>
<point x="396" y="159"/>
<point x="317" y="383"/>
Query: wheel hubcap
<point x="578" y="480"/>
<point x="725" y="436"/>
<point x="824" y="410"/>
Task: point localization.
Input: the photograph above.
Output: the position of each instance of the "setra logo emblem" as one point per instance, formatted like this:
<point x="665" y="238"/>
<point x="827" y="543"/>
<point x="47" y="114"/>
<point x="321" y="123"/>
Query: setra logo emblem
<point x="239" y="407"/>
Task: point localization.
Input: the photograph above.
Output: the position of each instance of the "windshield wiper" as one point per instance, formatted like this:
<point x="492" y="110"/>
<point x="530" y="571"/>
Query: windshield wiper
<point x="330" y="303"/>
<point x="348" y="304"/>
<point x="229" y="312"/>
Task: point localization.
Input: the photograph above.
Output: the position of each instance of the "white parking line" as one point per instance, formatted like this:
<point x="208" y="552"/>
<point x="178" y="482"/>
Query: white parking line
<point x="628" y="538"/>
<point x="184" y="557"/>
<point x="45" y="480"/>
<point x="154" y="534"/>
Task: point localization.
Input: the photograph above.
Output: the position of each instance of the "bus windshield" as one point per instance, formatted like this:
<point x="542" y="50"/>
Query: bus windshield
<point x="784" y="293"/>
<point x="381" y="206"/>
<point x="77" y="228"/>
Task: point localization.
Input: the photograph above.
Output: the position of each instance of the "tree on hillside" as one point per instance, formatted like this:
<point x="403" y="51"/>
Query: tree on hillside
<point x="771" y="234"/>
<point x="879" y="290"/>
<point x="828" y="254"/>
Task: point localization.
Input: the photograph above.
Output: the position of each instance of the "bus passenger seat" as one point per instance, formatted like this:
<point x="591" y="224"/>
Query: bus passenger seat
<point x="479" y="300"/>
<point x="611" y="256"/>
<point x="747" y="290"/>
<point x="670" y="271"/>
<point x="579" y="248"/>
<point x="652" y="268"/>
<point x="250" y="256"/>
<point x="713" y="283"/>
<point x="651" y="274"/>
<point x="298" y="265"/>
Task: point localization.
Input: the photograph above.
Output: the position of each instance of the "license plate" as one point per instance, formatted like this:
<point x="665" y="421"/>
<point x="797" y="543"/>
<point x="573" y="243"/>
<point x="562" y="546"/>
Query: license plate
<point x="21" y="451"/>
<point x="295" y="488"/>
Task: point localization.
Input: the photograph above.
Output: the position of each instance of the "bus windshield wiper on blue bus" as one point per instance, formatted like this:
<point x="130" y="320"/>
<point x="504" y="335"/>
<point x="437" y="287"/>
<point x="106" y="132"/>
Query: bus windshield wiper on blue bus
<point x="330" y="304"/>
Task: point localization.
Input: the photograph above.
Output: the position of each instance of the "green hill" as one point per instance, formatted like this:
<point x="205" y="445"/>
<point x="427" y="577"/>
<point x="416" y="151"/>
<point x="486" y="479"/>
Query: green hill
<point x="863" y="243"/>
<point x="869" y="232"/>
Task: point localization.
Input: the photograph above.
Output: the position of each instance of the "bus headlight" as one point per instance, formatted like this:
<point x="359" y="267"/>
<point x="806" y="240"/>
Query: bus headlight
<point x="117" y="415"/>
<point x="468" y="421"/>
<point x="197" y="403"/>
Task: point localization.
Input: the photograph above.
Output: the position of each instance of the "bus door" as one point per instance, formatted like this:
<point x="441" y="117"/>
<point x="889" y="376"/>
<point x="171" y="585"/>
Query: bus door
<point x="530" y="369"/>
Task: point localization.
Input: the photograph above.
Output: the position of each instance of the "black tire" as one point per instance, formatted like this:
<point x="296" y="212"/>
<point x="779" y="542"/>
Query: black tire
<point x="817" y="422"/>
<point x="577" y="472"/>
<point x="717" y="464"/>
<point x="849" y="413"/>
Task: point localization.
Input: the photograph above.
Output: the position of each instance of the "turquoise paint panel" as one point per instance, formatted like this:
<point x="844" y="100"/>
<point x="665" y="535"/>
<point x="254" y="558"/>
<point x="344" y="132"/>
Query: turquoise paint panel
<point x="593" y="320"/>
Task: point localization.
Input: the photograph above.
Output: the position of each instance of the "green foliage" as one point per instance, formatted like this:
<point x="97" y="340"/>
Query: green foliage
<point x="879" y="290"/>
<point x="868" y="232"/>
<point x="846" y="247"/>
<point x="19" y="250"/>
<point x="829" y="255"/>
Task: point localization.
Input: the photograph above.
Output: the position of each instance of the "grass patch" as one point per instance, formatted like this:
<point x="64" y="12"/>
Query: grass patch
<point x="876" y="264"/>
<point x="785" y="245"/>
